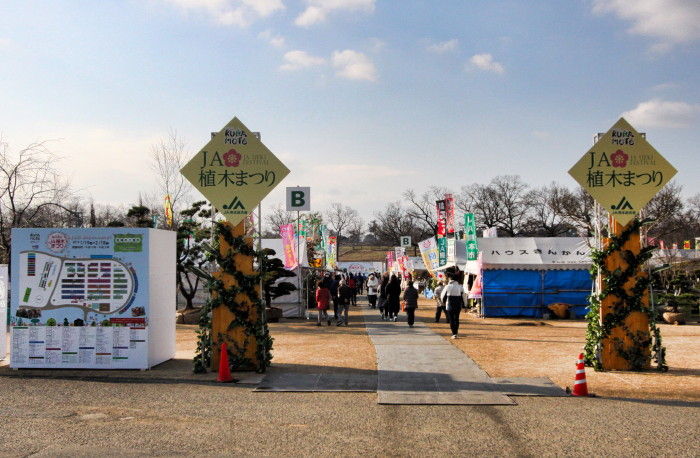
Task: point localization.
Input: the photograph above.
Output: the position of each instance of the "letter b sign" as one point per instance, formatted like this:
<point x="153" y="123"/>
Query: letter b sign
<point x="298" y="199"/>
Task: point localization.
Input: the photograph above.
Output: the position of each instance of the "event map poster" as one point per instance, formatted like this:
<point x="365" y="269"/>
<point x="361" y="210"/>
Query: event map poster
<point x="79" y="298"/>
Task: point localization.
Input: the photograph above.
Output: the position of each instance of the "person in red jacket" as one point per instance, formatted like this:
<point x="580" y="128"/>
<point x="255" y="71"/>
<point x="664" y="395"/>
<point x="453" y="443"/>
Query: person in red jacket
<point x="323" y="298"/>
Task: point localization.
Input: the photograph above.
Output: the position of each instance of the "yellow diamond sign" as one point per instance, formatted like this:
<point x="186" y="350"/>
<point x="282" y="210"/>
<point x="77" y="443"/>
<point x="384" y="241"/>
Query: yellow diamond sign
<point x="622" y="171"/>
<point x="235" y="171"/>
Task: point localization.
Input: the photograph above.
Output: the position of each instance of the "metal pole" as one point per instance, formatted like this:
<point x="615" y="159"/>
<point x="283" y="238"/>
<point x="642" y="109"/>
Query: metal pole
<point x="301" y="281"/>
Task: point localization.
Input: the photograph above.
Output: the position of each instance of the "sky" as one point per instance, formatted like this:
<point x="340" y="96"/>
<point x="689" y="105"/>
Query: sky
<point x="361" y="99"/>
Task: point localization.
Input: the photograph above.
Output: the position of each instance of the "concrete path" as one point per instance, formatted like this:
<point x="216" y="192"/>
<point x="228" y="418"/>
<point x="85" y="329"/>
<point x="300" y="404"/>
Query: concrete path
<point x="417" y="366"/>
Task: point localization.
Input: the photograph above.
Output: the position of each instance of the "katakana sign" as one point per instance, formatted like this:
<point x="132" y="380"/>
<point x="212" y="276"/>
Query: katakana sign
<point x="622" y="171"/>
<point x="235" y="171"/>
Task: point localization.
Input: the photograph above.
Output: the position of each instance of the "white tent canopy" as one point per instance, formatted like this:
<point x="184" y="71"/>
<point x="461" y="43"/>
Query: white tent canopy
<point x="533" y="253"/>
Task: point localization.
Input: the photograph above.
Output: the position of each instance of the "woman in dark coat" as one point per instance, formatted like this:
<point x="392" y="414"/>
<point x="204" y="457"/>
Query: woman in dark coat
<point x="393" y="297"/>
<point x="410" y="295"/>
<point x="383" y="309"/>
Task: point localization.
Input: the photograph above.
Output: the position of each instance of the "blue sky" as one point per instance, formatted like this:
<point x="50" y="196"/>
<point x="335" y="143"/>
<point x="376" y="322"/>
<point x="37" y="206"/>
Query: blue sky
<point x="361" y="99"/>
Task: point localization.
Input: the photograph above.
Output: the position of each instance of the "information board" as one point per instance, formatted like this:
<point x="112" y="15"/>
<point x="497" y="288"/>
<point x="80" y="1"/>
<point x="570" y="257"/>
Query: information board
<point x="80" y="298"/>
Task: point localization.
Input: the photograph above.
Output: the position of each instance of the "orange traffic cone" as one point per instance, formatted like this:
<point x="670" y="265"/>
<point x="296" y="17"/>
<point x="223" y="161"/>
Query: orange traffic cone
<point x="224" y="369"/>
<point x="580" y="385"/>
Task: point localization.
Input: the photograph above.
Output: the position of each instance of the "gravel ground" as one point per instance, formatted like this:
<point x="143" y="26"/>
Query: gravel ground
<point x="57" y="417"/>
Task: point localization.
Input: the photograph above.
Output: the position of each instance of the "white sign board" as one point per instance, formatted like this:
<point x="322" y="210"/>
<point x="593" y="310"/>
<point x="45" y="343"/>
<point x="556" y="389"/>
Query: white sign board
<point x="405" y="241"/>
<point x="98" y="298"/>
<point x="299" y="199"/>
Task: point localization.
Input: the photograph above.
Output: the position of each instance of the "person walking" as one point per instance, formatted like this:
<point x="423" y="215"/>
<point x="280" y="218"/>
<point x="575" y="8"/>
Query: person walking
<point x="439" y="305"/>
<point x="352" y="284"/>
<point x="323" y="299"/>
<point x="382" y="296"/>
<point x="334" y="295"/>
<point x="393" y="297"/>
<point x="410" y="297"/>
<point x="372" y="286"/>
<point x="344" y="298"/>
<point x="453" y="300"/>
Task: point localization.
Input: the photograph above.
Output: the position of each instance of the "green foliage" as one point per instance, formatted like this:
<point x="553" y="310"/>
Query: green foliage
<point x="191" y="255"/>
<point x="272" y="269"/>
<point x="613" y="284"/>
<point x="255" y="327"/>
<point x="139" y="214"/>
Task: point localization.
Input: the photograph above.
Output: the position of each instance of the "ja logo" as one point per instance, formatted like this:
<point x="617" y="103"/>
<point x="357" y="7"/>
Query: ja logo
<point x="624" y="204"/>
<point x="235" y="204"/>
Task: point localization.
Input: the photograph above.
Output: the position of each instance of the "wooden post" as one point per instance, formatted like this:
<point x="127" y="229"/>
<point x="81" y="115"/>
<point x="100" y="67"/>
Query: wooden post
<point x="221" y="329"/>
<point x="636" y="322"/>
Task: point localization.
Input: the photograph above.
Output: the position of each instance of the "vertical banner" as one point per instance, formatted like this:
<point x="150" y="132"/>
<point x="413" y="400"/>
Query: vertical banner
<point x="697" y="243"/>
<point x="332" y="253"/>
<point x="470" y="236"/>
<point x="449" y="214"/>
<point x="287" y="235"/>
<point x="399" y="252"/>
<point x="686" y="245"/>
<point x="442" y="251"/>
<point x="168" y="210"/>
<point x="389" y="260"/>
<point x="441" y="218"/>
<point x="429" y="253"/>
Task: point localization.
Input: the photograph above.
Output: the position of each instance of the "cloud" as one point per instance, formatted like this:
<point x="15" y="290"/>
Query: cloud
<point x="275" y="40"/>
<point x="318" y="10"/>
<point x="664" y="86"/>
<point x="377" y="45"/>
<point x="353" y="65"/>
<point x="670" y="21"/>
<point x="444" y="46"/>
<point x="486" y="63"/>
<point x="5" y="42"/>
<point x="297" y="60"/>
<point x="663" y="113"/>
<point x="230" y="12"/>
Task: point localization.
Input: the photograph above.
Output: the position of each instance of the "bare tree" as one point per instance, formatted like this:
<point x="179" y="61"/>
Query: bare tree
<point x="480" y="200"/>
<point x="167" y="160"/>
<point x="29" y="186"/>
<point x="356" y="230"/>
<point x="339" y="218"/>
<point x="422" y="207"/>
<point x="277" y="217"/>
<point x="578" y="208"/>
<point x="389" y="225"/>
<point x="547" y="216"/>
<point x="511" y="194"/>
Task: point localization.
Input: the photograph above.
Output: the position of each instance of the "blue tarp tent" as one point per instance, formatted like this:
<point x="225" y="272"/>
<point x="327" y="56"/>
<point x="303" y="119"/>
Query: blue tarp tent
<point x="522" y="276"/>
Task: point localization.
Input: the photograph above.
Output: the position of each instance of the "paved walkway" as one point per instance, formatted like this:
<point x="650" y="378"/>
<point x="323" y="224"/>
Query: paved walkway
<point x="417" y="366"/>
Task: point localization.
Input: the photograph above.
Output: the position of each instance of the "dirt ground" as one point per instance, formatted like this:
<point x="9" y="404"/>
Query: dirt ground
<point x="532" y="348"/>
<point x="502" y="347"/>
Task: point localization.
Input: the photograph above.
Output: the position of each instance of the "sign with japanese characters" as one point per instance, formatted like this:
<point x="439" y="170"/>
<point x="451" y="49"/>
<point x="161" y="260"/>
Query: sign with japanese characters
<point x="622" y="171"/>
<point x="235" y="171"/>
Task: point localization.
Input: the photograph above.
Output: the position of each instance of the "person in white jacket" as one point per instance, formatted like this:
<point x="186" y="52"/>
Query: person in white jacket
<point x="452" y="298"/>
<point x="372" y="287"/>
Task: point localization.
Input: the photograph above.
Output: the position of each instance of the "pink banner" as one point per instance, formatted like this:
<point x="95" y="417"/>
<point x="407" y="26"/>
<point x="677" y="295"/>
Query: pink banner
<point x="450" y="214"/>
<point x="287" y="235"/>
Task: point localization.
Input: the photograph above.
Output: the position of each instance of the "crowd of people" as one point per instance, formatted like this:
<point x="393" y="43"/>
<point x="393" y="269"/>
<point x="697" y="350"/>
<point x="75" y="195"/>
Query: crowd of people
<point x="388" y="293"/>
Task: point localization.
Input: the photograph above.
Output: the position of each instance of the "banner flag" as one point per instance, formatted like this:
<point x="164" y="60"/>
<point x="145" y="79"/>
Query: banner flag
<point x="686" y="245"/>
<point x="450" y="214"/>
<point x="429" y="253"/>
<point x="168" y="210"/>
<point x="442" y="251"/>
<point x="470" y="236"/>
<point x="441" y="218"/>
<point x="287" y="235"/>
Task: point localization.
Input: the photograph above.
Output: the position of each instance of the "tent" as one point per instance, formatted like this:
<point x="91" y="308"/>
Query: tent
<point x="521" y="276"/>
